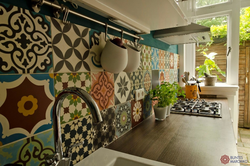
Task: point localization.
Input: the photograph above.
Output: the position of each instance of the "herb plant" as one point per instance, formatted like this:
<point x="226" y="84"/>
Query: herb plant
<point x="166" y="93"/>
<point x="209" y="66"/>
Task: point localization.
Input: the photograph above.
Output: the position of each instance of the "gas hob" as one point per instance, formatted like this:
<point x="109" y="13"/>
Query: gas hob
<point x="198" y="107"/>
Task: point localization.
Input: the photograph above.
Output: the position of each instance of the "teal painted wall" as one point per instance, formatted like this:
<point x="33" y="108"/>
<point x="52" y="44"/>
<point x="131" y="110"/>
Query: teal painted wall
<point x="46" y="10"/>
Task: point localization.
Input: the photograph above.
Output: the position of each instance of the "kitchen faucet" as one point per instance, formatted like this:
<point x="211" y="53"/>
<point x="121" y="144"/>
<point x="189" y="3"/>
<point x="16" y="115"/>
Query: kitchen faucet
<point x="58" y="159"/>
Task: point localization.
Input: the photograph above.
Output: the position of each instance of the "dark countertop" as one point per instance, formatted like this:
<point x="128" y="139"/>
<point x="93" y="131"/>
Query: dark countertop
<point x="182" y="140"/>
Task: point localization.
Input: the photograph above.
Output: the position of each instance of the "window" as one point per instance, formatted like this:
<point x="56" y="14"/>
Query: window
<point x="203" y="3"/>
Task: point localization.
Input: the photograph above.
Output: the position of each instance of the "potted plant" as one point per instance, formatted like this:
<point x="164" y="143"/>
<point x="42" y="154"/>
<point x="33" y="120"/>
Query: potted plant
<point x="207" y="68"/>
<point x="165" y="95"/>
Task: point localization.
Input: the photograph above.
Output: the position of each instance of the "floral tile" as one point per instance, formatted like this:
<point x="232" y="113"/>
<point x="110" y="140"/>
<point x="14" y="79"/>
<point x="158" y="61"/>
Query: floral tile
<point x="147" y="106"/>
<point x="25" y="41"/>
<point x="102" y="89"/>
<point x="171" y="76"/>
<point x="162" y="76"/>
<point x="146" y="57"/>
<point x="29" y="151"/>
<point x="136" y="77"/>
<point x="28" y="98"/>
<point x="147" y="81"/>
<point x="122" y="87"/>
<point x="176" y="61"/>
<point x="133" y="88"/>
<point x="77" y="131"/>
<point x="123" y="118"/>
<point x="167" y="60"/>
<point x="167" y="75"/>
<point x="171" y="60"/>
<point x="70" y="47"/>
<point x="161" y="64"/>
<point x="104" y="132"/>
<point x="73" y="106"/>
<point x="155" y="58"/>
<point x="136" y="112"/>
<point x="97" y="43"/>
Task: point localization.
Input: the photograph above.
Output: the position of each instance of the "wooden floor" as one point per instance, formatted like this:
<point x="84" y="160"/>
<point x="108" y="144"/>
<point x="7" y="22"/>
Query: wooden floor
<point x="243" y="145"/>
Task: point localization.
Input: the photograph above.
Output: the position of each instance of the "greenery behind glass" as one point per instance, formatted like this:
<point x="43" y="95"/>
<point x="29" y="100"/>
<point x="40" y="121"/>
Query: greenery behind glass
<point x="203" y="3"/>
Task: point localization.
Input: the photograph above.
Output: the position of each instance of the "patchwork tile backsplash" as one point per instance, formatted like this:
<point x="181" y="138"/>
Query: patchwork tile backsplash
<point x="39" y="57"/>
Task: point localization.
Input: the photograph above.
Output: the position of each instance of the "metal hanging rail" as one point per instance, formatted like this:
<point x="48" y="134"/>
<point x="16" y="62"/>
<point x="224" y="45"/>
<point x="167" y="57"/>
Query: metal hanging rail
<point x="36" y="4"/>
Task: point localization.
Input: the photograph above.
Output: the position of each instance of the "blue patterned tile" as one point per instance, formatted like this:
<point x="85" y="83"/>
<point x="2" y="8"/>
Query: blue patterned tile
<point x="147" y="106"/>
<point x="171" y="76"/>
<point x="155" y="58"/>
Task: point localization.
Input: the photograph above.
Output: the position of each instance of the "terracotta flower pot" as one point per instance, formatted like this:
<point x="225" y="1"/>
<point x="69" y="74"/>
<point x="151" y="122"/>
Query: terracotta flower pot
<point x="210" y="81"/>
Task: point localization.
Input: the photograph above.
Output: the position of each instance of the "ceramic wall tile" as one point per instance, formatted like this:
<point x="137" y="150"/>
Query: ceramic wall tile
<point x="176" y="61"/>
<point x="167" y="60"/>
<point x="25" y="41"/>
<point x="155" y="58"/>
<point x="146" y="57"/>
<point x="136" y="77"/>
<point x="167" y="75"/>
<point x="70" y="47"/>
<point x="123" y="118"/>
<point x="162" y="54"/>
<point x="162" y="76"/>
<point x="133" y="88"/>
<point x="147" y="106"/>
<point x="73" y="106"/>
<point x="136" y="112"/>
<point x="28" y="98"/>
<point x="171" y="60"/>
<point x="29" y="151"/>
<point x="77" y="131"/>
<point x="147" y="81"/>
<point x="176" y="75"/>
<point x="102" y="89"/>
<point x="97" y="43"/>
<point x="161" y="64"/>
<point x="122" y="87"/>
<point x="171" y="76"/>
<point x="104" y="132"/>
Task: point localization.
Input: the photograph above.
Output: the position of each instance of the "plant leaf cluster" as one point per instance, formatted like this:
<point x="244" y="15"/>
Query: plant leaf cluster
<point x="166" y="93"/>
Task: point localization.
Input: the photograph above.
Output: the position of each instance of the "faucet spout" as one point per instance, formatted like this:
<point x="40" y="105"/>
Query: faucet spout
<point x="56" y="114"/>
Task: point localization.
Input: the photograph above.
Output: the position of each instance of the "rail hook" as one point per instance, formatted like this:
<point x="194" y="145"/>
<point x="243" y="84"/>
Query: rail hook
<point x="106" y="31"/>
<point x="66" y="13"/>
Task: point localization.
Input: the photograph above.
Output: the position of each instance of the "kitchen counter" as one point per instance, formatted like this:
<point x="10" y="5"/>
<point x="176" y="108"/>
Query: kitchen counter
<point x="182" y="140"/>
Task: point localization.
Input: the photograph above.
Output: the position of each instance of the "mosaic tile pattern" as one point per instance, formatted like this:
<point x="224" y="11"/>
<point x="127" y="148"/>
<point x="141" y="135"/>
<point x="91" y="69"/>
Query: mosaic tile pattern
<point x="146" y="57"/>
<point x="171" y="76"/>
<point x="97" y="43"/>
<point x="123" y="118"/>
<point x="162" y="76"/>
<point x="136" y="112"/>
<point x="25" y="41"/>
<point x="102" y="89"/>
<point x="70" y="47"/>
<point x="167" y="60"/>
<point x="155" y="58"/>
<point x="73" y="106"/>
<point x="171" y="60"/>
<point x="136" y="77"/>
<point x="147" y="107"/>
<point x="104" y="132"/>
<point x="147" y="81"/>
<point x="29" y="151"/>
<point x="20" y="98"/>
<point x="161" y="59"/>
<point x="122" y="87"/>
<point x="176" y="75"/>
<point x="75" y="132"/>
<point x="167" y="75"/>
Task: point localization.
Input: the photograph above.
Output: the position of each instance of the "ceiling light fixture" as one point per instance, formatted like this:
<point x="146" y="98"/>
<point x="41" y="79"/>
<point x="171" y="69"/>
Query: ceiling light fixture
<point x="125" y="25"/>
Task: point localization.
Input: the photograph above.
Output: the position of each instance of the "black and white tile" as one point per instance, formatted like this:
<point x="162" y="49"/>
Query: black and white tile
<point x="122" y="87"/>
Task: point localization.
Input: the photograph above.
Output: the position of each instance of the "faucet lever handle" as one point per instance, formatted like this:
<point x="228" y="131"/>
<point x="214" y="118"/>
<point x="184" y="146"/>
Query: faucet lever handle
<point x="52" y="159"/>
<point x="68" y="151"/>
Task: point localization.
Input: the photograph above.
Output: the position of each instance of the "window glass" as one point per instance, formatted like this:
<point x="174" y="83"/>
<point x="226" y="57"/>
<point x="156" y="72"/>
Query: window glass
<point x="203" y="3"/>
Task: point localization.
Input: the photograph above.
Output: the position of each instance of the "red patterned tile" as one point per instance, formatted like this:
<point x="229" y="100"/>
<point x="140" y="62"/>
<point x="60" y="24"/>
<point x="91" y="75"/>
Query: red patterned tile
<point x="136" y="112"/>
<point x="171" y="60"/>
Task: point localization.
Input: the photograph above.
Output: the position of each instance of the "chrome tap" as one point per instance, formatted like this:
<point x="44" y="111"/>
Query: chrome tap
<point x="58" y="159"/>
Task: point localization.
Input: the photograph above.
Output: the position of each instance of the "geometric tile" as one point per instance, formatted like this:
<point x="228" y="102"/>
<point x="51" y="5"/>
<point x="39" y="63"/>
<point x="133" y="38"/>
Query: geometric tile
<point x="102" y="89"/>
<point x="171" y="60"/>
<point x="167" y="75"/>
<point x="29" y="151"/>
<point x="75" y="132"/>
<point x="122" y="87"/>
<point x="136" y="112"/>
<point x="167" y="60"/>
<point x="25" y="106"/>
<point x="171" y="76"/>
<point x="161" y="64"/>
<point x="146" y="57"/>
<point x="155" y="58"/>
<point x="147" y="76"/>
<point x="70" y="47"/>
<point x="176" y="75"/>
<point x="162" y="76"/>
<point x="123" y="118"/>
<point x="136" y="77"/>
<point x="162" y="54"/>
<point x="104" y="132"/>
<point x="97" y="43"/>
<point x="147" y="106"/>
<point x="25" y="41"/>
<point x="73" y="106"/>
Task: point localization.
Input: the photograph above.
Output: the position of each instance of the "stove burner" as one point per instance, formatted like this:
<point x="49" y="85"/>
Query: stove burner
<point x="197" y="107"/>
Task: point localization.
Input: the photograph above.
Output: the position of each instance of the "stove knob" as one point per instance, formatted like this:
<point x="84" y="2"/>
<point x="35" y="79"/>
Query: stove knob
<point x="198" y="111"/>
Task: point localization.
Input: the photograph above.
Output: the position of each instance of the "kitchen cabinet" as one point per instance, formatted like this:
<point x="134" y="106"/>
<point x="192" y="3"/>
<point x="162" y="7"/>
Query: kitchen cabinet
<point x="145" y="15"/>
